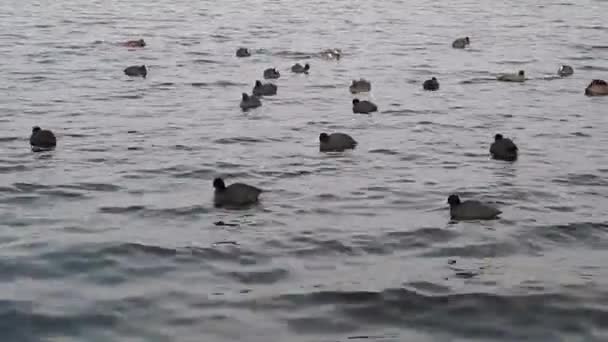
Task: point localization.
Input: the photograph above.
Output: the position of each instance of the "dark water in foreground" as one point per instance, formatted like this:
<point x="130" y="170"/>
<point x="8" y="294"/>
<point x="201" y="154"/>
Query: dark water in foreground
<point x="112" y="238"/>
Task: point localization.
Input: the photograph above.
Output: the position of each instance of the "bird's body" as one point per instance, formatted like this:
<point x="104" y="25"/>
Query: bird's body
<point x="565" y="70"/>
<point x="299" y="69"/>
<point x="336" y="142"/>
<point x="597" y="88"/>
<point x="243" y="52"/>
<point x="236" y="194"/>
<point x="461" y="43"/>
<point x="271" y="73"/>
<point x="136" y="71"/>
<point x="363" y="107"/>
<point x="503" y="148"/>
<point x="42" y="139"/>
<point x="360" y="86"/>
<point x="264" y="89"/>
<point x="249" y="101"/>
<point x="431" y="84"/>
<point x="135" y="43"/>
<point x="471" y="209"/>
<point x="515" y="77"/>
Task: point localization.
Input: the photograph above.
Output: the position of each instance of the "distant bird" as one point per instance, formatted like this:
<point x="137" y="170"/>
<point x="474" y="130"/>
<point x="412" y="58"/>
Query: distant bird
<point x="243" y="52"/>
<point x="331" y="54"/>
<point x="360" y="86"/>
<point x="471" y="210"/>
<point x="236" y="194"/>
<point x="363" y="107"/>
<point x="431" y="84"/>
<point x="565" y="70"/>
<point x="250" y="101"/>
<point x="503" y="148"/>
<point x="336" y="142"/>
<point x="597" y="88"/>
<point x="271" y="73"/>
<point x="519" y="77"/>
<point x="136" y="71"/>
<point x="264" y="89"/>
<point x="135" y="43"/>
<point x="299" y="69"/>
<point x="42" y="139"/>
<point x="461" y="43"/>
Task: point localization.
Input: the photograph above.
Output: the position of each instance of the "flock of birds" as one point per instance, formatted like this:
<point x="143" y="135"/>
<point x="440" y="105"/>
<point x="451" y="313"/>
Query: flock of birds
<point x="244" y="195"/>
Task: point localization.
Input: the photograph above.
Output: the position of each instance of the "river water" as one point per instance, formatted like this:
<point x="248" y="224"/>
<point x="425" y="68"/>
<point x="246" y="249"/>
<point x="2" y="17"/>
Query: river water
<point x="113" y="236"/>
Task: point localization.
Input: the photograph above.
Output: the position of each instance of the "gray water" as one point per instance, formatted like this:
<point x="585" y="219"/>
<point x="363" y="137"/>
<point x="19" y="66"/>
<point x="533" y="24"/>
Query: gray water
<point x="112" y="236"/>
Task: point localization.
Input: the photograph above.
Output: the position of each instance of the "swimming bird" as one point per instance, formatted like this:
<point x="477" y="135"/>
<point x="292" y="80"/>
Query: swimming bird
<point x="336" y="142"/>
<point x="471" y="210"/>
<point x="135" y="43"/>
<point x="461" y="43"/>
<point x="135" y="71"/>
<point x="503" y="148"/>
<point x="250" y="101"/>
<point x="331" y="54"/>
<point x="236" y="194"/>
<point x="431" y="84"/>
<point x="299" y="69"/>
<point x="519" y="77"/>
<point x="363" y="107"/>
<point x="565" y="70"/>
<point x="597" y="88"/>
<point x="271" y="73"/>
<point x="265" y="89"/>
<point x="360" y="86"/>
<point x="42" y="139"/>
<point x="243" y="52"/>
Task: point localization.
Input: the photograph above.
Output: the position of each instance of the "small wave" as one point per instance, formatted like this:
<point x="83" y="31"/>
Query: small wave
<point x="149" y="212"/>
<point x="13" y="168"/>
<point x="237" y="140"/>
<point x="593" y="67"/>
<point x="205" y="61"/>
<point x="385" y="151"/>
<point x="587" y="233"/>
<point x="582" y="180"/>
<point x="486" y="250"/>
<point x="92" y="187"/>
<point x="259" y="277"/>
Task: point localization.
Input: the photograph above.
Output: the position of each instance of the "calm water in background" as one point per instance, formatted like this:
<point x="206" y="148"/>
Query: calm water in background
<point x="111" y="237"/>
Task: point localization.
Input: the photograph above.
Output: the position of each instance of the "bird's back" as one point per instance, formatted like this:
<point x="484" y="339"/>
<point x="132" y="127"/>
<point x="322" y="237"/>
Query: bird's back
<point x="43" y="138"/>
<point x="238" y="194"/>
<point x="473" y="210"/>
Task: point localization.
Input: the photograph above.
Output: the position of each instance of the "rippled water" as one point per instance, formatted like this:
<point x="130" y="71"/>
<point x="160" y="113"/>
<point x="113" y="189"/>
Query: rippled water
<point x="112" y="237"/>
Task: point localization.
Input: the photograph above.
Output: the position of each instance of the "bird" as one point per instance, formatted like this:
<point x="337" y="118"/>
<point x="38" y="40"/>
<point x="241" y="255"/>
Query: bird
<point x="519" y="77"/>
<point x="565" y="70"/>
<point x="264" y="89"/>
<point x="250" y="101"/>
<point x="461" y="43"/>
<point x="360" y="86"/>
<point x="336" y="142"/>
<point x="471" y="209"/>
<point x="243" y="52"/>
<point x="503" y="148"/>
<point x="271" y="73"/>
<point x="363" y="107"/>
<point x="331" y="54"/>
<point x="236" y="194"/>
<point x="597" y="88"/>
<point x="42" y="139"/>
<point x="299" y="69"/>
<point x="431" y="84"/>
<point x="135" y="43"/>
<point x="135" y="71"/>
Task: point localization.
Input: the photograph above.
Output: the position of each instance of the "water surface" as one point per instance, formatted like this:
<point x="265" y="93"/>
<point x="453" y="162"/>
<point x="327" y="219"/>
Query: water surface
<point x="112" y="237"/>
